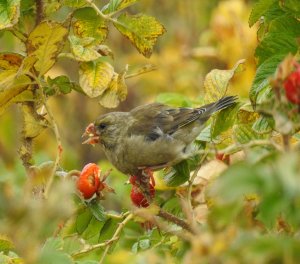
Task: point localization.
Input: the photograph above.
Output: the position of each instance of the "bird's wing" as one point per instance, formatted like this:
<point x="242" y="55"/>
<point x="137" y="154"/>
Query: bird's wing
<point x="156" y="119"/>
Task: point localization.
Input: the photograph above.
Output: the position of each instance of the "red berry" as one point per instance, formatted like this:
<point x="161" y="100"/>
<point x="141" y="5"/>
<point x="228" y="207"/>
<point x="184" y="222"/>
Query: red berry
<point x="292" y="86"/>
<point x="138" y="198"/>
<point x="88" y="182"/>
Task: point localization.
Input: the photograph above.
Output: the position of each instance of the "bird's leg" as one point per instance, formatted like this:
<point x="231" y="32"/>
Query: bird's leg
<point x="144" y="177"/>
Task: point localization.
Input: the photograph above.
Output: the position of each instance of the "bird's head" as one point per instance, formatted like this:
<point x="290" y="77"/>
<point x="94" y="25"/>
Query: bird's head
<point x="105" y="130"/>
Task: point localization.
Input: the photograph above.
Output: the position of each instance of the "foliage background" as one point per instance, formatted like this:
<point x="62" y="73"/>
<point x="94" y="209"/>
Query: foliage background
<point x="201" y="36"/>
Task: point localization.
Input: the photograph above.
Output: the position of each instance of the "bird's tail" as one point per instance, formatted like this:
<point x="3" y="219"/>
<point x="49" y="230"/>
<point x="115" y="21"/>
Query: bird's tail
<point x="221" y="104"/>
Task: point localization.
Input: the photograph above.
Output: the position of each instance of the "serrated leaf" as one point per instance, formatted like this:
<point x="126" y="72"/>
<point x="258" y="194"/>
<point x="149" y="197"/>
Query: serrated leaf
<point x="45" y="42"/>
<point x="97" y="210"/>
<point x="292" y="6"/>
<point x="263" y="125"/>
<point x="83" y="49"/>
<point x="9" y="13"/>
<point x="115" y="93"/>
<point x="10" y="61"/>
<point x="95" y="77"/>
<point x="34" y="123"/>
<point x="217" y="81"/>
<point x="263" y="73"/>
<point x="5" y="243"/>
<point x="88" y="24"/>
<point x="259" y="9"/>
<point x="141" y="30"/>
<point x="243" y="133"/>
<point x="178" y="174"/>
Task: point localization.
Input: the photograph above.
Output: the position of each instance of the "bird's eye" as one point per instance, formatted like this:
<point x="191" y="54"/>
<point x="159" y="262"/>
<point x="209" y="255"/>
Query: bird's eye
<point x="102" y="126"/>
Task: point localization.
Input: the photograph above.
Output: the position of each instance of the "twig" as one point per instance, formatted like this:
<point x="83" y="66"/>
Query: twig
<point x="19" y="34"/>
<point x="145" y="69"/>
<point x="93" y="247"/>
<point x="115" y="237"/>
<point x="172" y="218"/>
<point x="39" y="11"/>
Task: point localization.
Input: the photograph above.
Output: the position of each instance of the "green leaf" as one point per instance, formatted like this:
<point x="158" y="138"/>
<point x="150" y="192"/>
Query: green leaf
<point x="91" y="233"/>
<point x="178" y="174"/>
<point x="174" y="99"/>
<point x="141" y="30"/>
<point x="263" y="73"/>
<point x="108" y="229"/>
<point x="97" y="210"/>
<point x="116" y="91"/>
<point x="83" y="49"/>
<point x="95" y="77"/>
<point x="263" y="125"/>
<point x="117" y="5"/>
<point x="45" y="42"/>
<point x="52" y="252"/>
<point x="87" y="24"/>
<point x="9" y="13"/>
<point x="217" y="81"/>
<point x="292" y="6"/>
<point x="83" y="219"/>
<point x="259" y="9"/>
<point x="61" y="83"/>
<point x="5" y="243"/>
<point x="74" y="3"/>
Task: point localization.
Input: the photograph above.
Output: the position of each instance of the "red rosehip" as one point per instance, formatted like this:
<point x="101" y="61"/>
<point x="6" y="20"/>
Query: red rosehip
<point x="292" y="86"/>
<point x="138" y="198"/>
<point x="88" y="182"/>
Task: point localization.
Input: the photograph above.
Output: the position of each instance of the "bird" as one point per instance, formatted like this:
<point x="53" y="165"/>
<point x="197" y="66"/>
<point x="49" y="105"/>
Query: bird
<point x="152" y="136"/>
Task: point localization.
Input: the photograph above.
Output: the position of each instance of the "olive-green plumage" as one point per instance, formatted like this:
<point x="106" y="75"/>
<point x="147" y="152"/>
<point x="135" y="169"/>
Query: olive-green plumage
<point x="153" y="136"/>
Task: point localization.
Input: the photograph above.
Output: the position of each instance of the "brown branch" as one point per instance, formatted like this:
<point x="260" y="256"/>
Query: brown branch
<point x="39" y="11"/>
<point x="172" y="218"/>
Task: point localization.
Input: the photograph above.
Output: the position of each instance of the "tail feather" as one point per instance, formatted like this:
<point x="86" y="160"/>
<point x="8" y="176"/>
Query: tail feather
<point x="225" y="102"/>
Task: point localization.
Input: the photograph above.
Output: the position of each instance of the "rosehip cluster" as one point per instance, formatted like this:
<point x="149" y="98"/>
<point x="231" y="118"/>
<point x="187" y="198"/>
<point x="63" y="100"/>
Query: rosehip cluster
<point x="292" y="86"/>
<point x="90" y="182"/>
<point x="136" y="194"/>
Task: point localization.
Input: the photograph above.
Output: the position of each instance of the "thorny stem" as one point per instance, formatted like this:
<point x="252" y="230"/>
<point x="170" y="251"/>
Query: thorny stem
<point x="115" y="237"/>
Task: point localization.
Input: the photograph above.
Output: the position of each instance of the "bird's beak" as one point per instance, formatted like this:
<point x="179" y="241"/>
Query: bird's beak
<point x="93" y="137"/>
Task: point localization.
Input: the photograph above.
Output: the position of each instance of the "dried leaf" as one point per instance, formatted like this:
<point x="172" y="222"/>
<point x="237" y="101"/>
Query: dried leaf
<point x="10" y="61"/>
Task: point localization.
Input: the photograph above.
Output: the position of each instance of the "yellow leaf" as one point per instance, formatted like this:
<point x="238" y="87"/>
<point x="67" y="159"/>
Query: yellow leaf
<point x="116" y="92"/>
<point x="9" y="61"/>
<point x="13" y="92"/>
<point x="88" y="24"/>
<point x="9" y="13"/>
<point x="217" y="81"/>
<point x="5" y="243"/>
<point x="95" y="77"/>
<point x="45" y="42"/>
<point x="33" y="122"/>
<point x="141" y="30"/>
<point x="82" y="49"/>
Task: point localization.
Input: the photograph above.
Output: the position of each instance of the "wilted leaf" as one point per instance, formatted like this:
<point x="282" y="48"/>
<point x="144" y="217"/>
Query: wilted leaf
<point x="83" y="49"/>
<point x="33" y="122"/>
<point x="88" y="24"/>
<point x="9" y="13"/>
<point x="45" y="42"/>
<point x="95" y="77"/>
<point x="116" y="92"/>
<point x="10" y="61"/>
<point x="217" y="81"/>
<point x="141" y="30"/>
